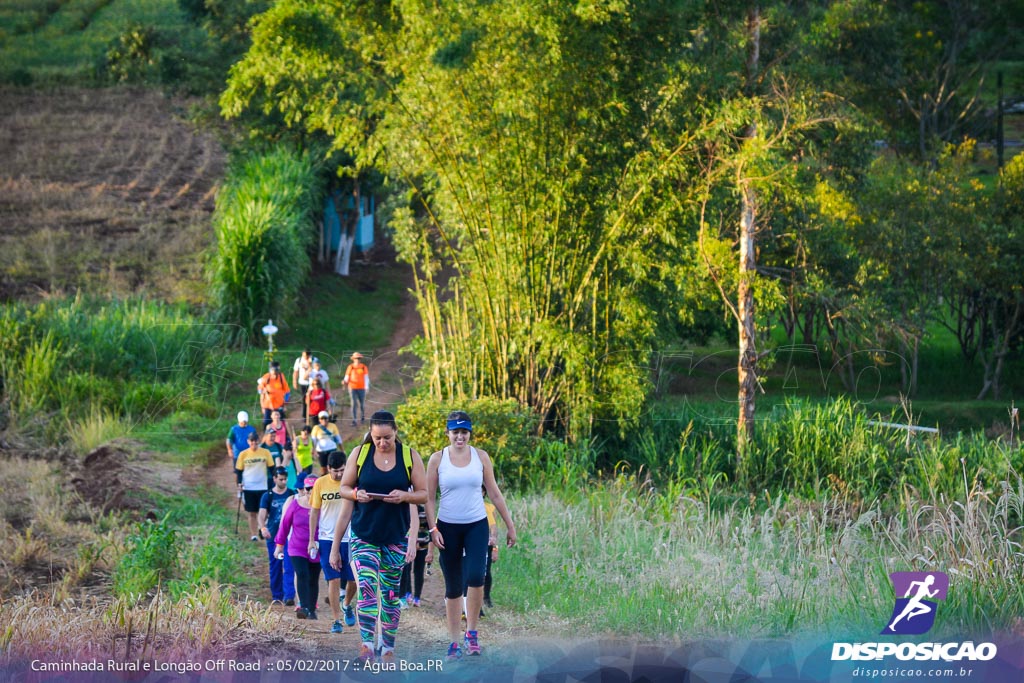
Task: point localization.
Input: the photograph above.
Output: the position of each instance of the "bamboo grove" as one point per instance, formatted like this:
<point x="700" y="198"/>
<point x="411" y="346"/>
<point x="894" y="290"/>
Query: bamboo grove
<point x="577" y="174"/>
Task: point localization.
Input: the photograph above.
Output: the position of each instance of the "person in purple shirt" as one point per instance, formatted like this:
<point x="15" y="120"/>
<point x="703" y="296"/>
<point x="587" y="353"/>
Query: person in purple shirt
<point x="294" y="532"/>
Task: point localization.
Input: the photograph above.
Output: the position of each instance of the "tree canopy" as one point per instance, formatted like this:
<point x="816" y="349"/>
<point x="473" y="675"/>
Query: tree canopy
<point x="579" y="174"/>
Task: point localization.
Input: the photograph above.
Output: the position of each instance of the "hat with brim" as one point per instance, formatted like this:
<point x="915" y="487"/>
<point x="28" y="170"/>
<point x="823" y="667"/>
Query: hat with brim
<point x="356" y="355"/>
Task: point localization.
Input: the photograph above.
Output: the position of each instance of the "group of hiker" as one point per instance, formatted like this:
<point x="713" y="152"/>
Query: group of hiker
<point x="368" y="520"/>
<point x="309" y="377"/>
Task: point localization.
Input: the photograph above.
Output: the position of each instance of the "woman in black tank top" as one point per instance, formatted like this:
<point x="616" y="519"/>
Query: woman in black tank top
<point x="383" y="488"/>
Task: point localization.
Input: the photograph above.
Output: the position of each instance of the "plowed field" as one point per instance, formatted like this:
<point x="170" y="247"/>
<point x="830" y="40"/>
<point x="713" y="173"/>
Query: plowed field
<point x="104" y="190"/>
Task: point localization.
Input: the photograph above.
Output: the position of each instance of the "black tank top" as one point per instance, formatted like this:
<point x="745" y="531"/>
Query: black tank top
<point x="378" y="522"/>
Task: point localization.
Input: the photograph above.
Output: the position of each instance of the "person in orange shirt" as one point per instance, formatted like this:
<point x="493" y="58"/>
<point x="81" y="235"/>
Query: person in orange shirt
<point x="357" y="378"/>
<point x="273" y="389"/>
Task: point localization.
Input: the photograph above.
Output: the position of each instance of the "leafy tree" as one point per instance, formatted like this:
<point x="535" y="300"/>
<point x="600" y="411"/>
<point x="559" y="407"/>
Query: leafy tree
<point x="562" y="160"/>
<point x="911" y="242"/>
<point x="917" y="67"/>
<point x="998" y="256"/>
<point x="523" y="131"/>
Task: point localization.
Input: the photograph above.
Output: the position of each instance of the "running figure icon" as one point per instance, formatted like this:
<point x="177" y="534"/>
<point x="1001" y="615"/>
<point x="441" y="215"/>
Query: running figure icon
<point x="916" y="594"/>
<point x="915" y="607"/>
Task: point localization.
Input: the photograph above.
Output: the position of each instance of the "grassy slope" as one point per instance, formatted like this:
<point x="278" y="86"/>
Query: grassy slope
<point x="66" y="45"/>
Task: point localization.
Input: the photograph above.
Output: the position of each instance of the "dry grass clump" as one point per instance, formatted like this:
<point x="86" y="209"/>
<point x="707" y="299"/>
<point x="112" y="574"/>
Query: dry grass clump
<point x="54" y="538"/>
<point x="207" y="622"/>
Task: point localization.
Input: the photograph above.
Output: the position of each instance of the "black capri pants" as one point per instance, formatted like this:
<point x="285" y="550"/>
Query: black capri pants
<point x="472" y="539"/>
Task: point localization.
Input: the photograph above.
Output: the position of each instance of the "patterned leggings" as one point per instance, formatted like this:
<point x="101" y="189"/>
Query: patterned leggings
<point x="378" y="566"/>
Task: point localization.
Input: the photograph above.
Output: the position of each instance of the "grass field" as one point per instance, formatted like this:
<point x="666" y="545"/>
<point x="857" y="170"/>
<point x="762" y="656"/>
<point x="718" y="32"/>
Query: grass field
<point x="51" y="42"/>
<point x="789" y="568"/>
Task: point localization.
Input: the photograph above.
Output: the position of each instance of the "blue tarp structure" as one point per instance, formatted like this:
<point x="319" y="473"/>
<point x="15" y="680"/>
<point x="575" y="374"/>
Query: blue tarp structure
<point x="332" y="220"/>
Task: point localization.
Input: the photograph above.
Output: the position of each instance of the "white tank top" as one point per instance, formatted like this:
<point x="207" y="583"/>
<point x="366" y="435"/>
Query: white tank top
<point x="462" y="501"/>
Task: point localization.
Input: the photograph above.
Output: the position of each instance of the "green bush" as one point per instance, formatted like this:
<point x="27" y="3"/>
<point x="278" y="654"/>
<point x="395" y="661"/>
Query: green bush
<point x="506" y="430"/>
<point x="151" y="559"/>
<point x="65" y="358"/>
<point x="208" y="564"/>
<point x="264" y="227"/>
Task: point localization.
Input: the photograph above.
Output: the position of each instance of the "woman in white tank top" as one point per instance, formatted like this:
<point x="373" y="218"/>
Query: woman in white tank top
<point x="460" y="526"/>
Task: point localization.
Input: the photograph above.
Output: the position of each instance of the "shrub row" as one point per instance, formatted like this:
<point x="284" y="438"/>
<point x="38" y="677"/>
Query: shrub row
<point x="264" y="227"/>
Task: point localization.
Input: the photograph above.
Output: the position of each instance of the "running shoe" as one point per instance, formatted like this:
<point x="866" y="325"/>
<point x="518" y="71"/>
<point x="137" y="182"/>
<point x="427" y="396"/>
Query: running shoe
<point x="336" y="627"/>
<point x="254" y="538"/>
<point x="454" y="652"/>
<point x="301" y="614"/>
<point x="388" y="658"/>
<point x="403" y="603"/>
<point x="290" y="602"/>
<point x="350" y="615"/>
<point x="311" y="614"/>
<point x="365" y="654"/>
<point x="472" y="644"/>
<point x="415" y="602"/>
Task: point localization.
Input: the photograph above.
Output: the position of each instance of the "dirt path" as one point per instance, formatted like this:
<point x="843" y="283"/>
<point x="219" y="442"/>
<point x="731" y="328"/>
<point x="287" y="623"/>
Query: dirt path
<point x="421" y="633"/>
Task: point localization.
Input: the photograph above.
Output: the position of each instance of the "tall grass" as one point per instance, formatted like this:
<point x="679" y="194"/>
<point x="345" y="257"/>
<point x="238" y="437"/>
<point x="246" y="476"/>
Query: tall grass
<point x="610" y="560"/>
<point x="264" y="226"/>
<point x="95" y="429"/>
<point x="810" y="449"/>
<point x="89" y="363"/>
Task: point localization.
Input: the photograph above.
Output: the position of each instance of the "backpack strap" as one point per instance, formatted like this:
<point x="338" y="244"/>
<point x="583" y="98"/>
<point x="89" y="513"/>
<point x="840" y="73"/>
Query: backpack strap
<point x="368" y="449"/>
<point x="365" y="450"/>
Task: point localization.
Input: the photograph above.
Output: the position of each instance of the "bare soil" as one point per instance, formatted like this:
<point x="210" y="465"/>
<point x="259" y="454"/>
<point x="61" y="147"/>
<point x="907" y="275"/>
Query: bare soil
<point x="107" y="190"/>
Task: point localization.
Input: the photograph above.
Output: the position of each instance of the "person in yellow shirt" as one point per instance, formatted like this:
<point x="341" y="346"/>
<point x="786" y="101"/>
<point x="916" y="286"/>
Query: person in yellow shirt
<point x="326" y="440"/>
<point x="325" y="504"/>
<point x="303" y="445"/>
<point x="251" y="470"/>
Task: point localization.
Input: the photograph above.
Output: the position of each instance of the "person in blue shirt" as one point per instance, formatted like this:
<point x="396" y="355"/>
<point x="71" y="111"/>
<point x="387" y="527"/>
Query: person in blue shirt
<point x="282" y="576"/>
<point x="238" y="436"/>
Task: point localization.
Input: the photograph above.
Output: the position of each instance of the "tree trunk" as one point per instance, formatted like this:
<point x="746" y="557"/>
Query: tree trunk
<point x="747" y="350"/>
<point x="994" y="363"/>
<point x="810" y="313"/>
<point x="747" y="371"/>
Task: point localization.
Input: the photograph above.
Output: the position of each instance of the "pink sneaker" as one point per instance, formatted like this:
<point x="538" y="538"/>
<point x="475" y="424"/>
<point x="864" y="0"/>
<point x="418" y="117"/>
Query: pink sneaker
<point x="472" y="643"/>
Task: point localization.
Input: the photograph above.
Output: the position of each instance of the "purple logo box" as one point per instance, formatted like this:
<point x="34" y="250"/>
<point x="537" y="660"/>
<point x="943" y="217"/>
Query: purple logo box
<point x="916" y="595"/>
